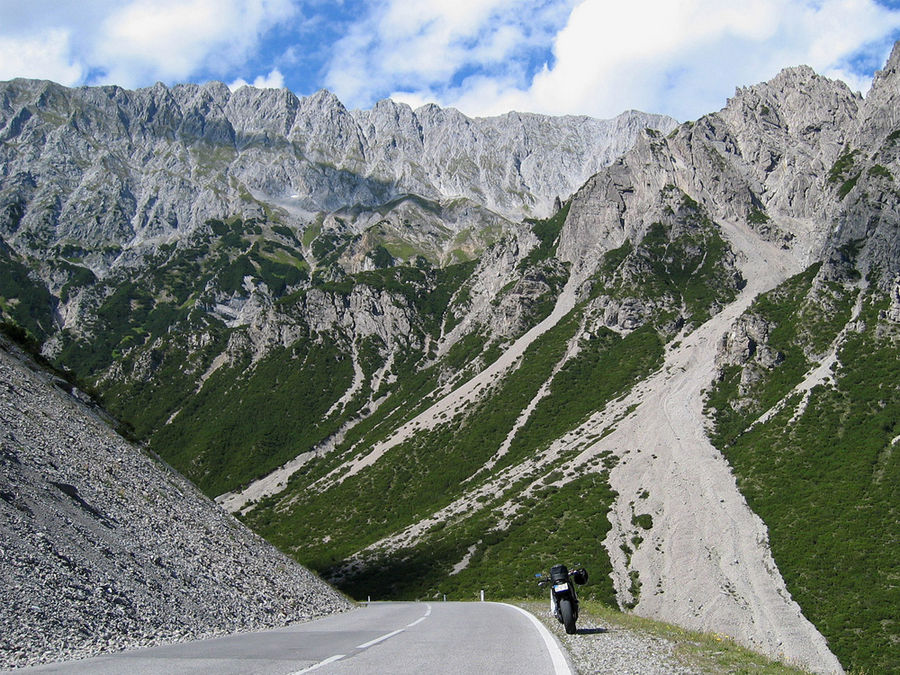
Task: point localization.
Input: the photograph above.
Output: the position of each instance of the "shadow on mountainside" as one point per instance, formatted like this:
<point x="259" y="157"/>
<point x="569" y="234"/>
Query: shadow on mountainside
<point x="398" y="576"/>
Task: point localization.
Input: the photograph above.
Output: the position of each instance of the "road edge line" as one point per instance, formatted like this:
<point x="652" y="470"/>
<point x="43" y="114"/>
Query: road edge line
<point x="557" y="656"/>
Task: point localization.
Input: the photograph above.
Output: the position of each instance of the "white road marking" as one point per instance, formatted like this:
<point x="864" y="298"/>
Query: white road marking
<point x="387" y="636"/>
<point x="560" y="664"/>
<point x="422" y="618"/>
<point x="368" y="644"/>
<point x="330" y="659"/>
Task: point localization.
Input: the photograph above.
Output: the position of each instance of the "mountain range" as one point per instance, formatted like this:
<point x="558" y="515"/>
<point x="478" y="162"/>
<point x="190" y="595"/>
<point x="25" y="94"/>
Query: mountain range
<point x="425" y="354"/>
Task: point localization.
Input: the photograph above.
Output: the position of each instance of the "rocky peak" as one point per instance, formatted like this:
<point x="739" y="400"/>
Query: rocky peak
<point x="323" y="101"/>
<point x="890" y="72"/>
<point x="157" y="108"/>
<point x="778" y="139"/>
<point x="801" y="158"/>
<point x="390" y="125"/>
<point x="881" y="110"/>
<point x="798" y="101"/>
<point x="327" y="130"/>
<point x="215" y="89"/>
<point x="259" y="111"/>
<point x="205" y="112"/>
<point x="389" y="108"/>
<point x="617" y="203"/>
<point x="211" y="95"/>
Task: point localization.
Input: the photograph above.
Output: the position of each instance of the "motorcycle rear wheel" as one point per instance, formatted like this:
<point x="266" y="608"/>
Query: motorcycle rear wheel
<point x="568" y="615"/>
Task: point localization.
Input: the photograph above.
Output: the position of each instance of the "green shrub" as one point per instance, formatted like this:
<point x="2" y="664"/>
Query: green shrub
<point x="824" y="480"/>
<point x="24" y="300"/>
<point x="244" y="423"/>
<point x="848" y="185"/>
<point x="843" y="166"/>
<point x="880" y="172"/>
<point x="547" y="231"/>
<point x="381" y="257"/>
<point x="644" y="521"/>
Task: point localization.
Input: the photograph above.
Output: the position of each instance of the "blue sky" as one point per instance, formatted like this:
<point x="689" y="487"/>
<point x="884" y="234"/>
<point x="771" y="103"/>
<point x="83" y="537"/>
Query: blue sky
<point x="592" y="57"/>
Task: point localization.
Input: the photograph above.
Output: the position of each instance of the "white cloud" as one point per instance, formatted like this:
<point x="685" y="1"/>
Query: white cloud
<point x="414" y="46"/>
<point x="43" y="55"/>
<point x="172" y="39"/>
<point x="274" y="80"/>
<point x="682" y="57"/>
<point x="595" y="57"/>
<point x="136" y="42"/>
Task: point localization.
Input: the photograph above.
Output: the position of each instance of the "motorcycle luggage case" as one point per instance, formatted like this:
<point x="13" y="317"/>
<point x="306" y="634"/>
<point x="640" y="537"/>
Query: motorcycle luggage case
<point x="559" y="573"/>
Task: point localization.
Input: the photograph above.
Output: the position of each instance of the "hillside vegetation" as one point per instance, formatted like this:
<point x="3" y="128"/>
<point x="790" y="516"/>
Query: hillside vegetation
<point x="823" y="471"/>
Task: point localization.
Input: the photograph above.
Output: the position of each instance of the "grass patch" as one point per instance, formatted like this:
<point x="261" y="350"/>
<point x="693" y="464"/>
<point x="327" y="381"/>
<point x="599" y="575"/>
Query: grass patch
<point x="880" y="171"/>
<point x="503" y="562"/>
<point x="24" y="301"/>
<point x="758" y="217"/>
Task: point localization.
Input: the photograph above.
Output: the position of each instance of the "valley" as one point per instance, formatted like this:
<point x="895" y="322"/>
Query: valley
<point x="674" y="363"/>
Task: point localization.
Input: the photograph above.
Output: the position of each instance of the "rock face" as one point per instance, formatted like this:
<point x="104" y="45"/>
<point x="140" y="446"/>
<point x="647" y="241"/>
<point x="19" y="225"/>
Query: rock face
<point x="801" y="158"/>
<point x="102" y="167"/>
<point x="105" y="549"/>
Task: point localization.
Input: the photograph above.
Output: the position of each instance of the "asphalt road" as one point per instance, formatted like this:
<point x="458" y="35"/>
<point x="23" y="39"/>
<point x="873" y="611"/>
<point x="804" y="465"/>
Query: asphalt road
<point x="438" y="637"/>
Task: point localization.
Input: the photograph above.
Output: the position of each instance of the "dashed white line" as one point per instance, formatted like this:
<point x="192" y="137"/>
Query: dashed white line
<point x="421" y="618"/>
<point x="368" y="644"/>
<point x="330" y="659"/>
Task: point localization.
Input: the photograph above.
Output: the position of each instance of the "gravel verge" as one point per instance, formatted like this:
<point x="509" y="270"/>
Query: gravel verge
<point x="104" y="548"/>
<point x="608" y="642"/>
<point x="600" y="647"/>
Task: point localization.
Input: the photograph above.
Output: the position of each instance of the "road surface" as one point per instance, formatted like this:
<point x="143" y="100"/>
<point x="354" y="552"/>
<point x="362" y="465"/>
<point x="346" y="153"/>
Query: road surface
<point x="438" y="637"/>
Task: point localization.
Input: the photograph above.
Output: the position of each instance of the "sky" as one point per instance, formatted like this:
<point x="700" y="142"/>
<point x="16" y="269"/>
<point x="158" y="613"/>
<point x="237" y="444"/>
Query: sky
<point x="484" y="57"/>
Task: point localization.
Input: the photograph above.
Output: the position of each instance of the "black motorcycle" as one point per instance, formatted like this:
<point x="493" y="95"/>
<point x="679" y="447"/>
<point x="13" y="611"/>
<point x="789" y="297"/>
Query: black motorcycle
<point x="563" y="598"/>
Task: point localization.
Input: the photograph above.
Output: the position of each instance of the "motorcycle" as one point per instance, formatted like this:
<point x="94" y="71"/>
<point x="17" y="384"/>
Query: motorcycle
<point x="563" y="598"/>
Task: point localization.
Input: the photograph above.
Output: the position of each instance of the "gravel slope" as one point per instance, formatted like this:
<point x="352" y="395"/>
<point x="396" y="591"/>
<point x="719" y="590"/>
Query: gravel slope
<point x="705" y="563"/>
<point x="104" y="549"/>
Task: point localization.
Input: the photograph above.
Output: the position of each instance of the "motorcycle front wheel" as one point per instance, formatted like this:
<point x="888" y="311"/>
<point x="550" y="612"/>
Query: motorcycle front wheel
<point x="568" y="615"/>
